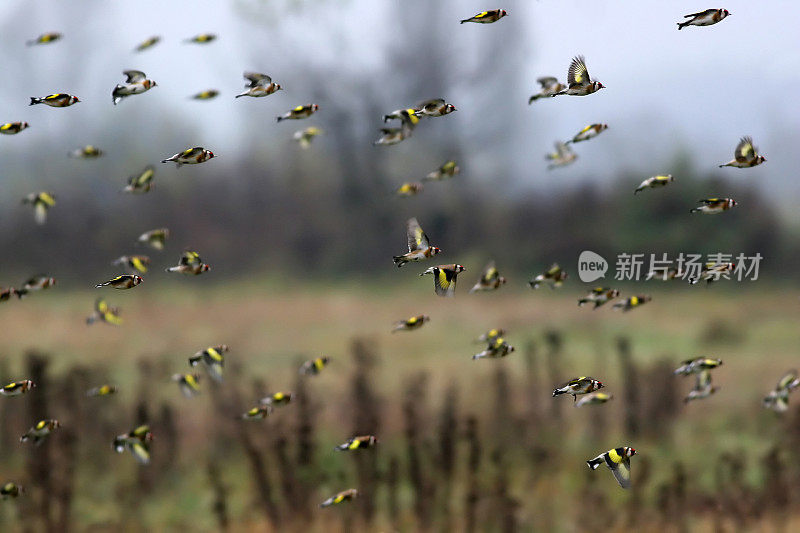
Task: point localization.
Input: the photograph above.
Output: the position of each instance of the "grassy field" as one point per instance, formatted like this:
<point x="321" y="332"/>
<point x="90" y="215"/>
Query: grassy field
<point x="272" y="328"/>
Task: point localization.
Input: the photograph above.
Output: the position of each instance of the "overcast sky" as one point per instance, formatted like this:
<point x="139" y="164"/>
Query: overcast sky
<point x="696" y="90"/>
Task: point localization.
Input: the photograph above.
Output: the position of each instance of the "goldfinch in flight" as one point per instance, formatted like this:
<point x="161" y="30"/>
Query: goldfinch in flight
<point x="13" y="128"/>
<point x="45" y="38"/>
<point x="562" y="157"/>
<point x="41" y="202"/>
<point x="390" y="136"/>
<point x="491" y="335"/>
<point x="589" y="132"/>
<point x="10" y="490"/>
<point x="697" y="365"/>
<point x="487" y="17"/>
<point x="56" y="100"/>
<point x="415" y="322"/>
<point x="550" y="87"/>
<point x="702" y="387"/>
<point x="654" y="182"/>
<point x="618" y="461"/>
<point x="712" y="272"/>
<point x="304" y="137"/>
<point x="313" y="367"/>
<point x="276" y="399"/>
<point x="136" y="263"/>
<point x="554" y="276"/>
<point x="490" y="279"/>
<point x="714" y="206"/>
<point x="260" y="85"/>
<point x="86" y="152"/>
<point x="444" y="278"/>
<point x="190" y="263"/>
<point x="575" y="386"/>
<point x="357" y="443"/>
<point x="299" y="112"/>
<point x="497" y="347"/>
<point x="419" y="246"/>
<point x="409" y="189"/>
<point x="344" y="496"/>
<point x="137" y="441"/>
<point x="598" y="296"/>
<point x="154" y="238"/>
<point x="142" y="182"/>
<point x="633" y="302"/>
<point x="136" y="83"/>
<point x="213" y="359"/>
<point x="40" y="431"/>
<point x="447" y="170"/>
<point x="39" y="282"/>
<point x="188" y="383"/>
<point x="205" y="95"/>
<point x="704" y="18"/>
<point x="125" y="281"/>
<point x="104" y="313"/>
<point x="17" y="388"/>
<point x="6" y="294"/>
<point x="778" y="398"/>
<point x="190" y="156"/>
<point x="257" y="413"/>
<point x="746" y="155"/>
<point x="437" y="107"/>
<point x="149" y="43"/>
<point x="578" y="80"/>
<point x="203" y="38"/>
<point x="102" y="390"/>
<point x="594" y="399"/>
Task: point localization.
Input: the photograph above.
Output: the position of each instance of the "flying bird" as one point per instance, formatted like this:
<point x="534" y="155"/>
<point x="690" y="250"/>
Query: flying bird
<point x="40" y="431"/>
<point x="419" y="246"/>
<point x="12" y="128"/>
<point x="632" y="302"/>
<point x="41" y="202"/>
<point x="487" y="17"/>
<point x="704" y="18"/>
<point x="299" y="112"/>
<point x="314" y="366"/>
<point x="149" y="43"/>
<point x="490" y="279"/>
<point x="304" y="137"/>
<point x="203" y="38"/>
<point x="190" y="263"/>
<point x="188" y="383"/>
<point x="45" y="38"/>
<point x="357" y="443"/>
<point x="104" y="313"/>
<point x="86" y="152"/>
<point x="125" y="281"/>
<point x="208" y="94"/>
<point x="190" y="156"/>
<point x="575" y="386"/>
<point x="410" y="324"/>
<point x="142" y="182"/>
<point x="496" y="347"/>
<point x="714" y="206"/>
<point x="746" y="155"/>
<point x="56" y="100"/>
<point x="562" y="157"/>
<point x="136" y="83"/>
<point x="654" y="182"/>
<point x="136" y="263"/>
<point x="578" y="81"/>
<point x="260" y="85"/>
<point x="213" y="359"/>
<point x="154" y="238"/>
<point x="550" y="87"/>
<point x="778" y="398"/>
<point x="137" y="441"/>
<point x="17" y="388"/>
<point x="276" y="399"/>
<point x="598" y="296"/>
<point x="594" y="399"/>
<point x="436" y="107"/>
<point x="344" y="496"/>
<point x="618" y="461"/>
<point x="447" y="170"/>
<point x="444" y="278"/>
<point x="589" y="132"/>
<point x="554" y="276"/>
<point x="102" y="390"/>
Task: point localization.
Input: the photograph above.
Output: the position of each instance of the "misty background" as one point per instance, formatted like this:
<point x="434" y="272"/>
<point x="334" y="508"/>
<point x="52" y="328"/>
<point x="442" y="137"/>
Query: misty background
<point x="676" y="102"/>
